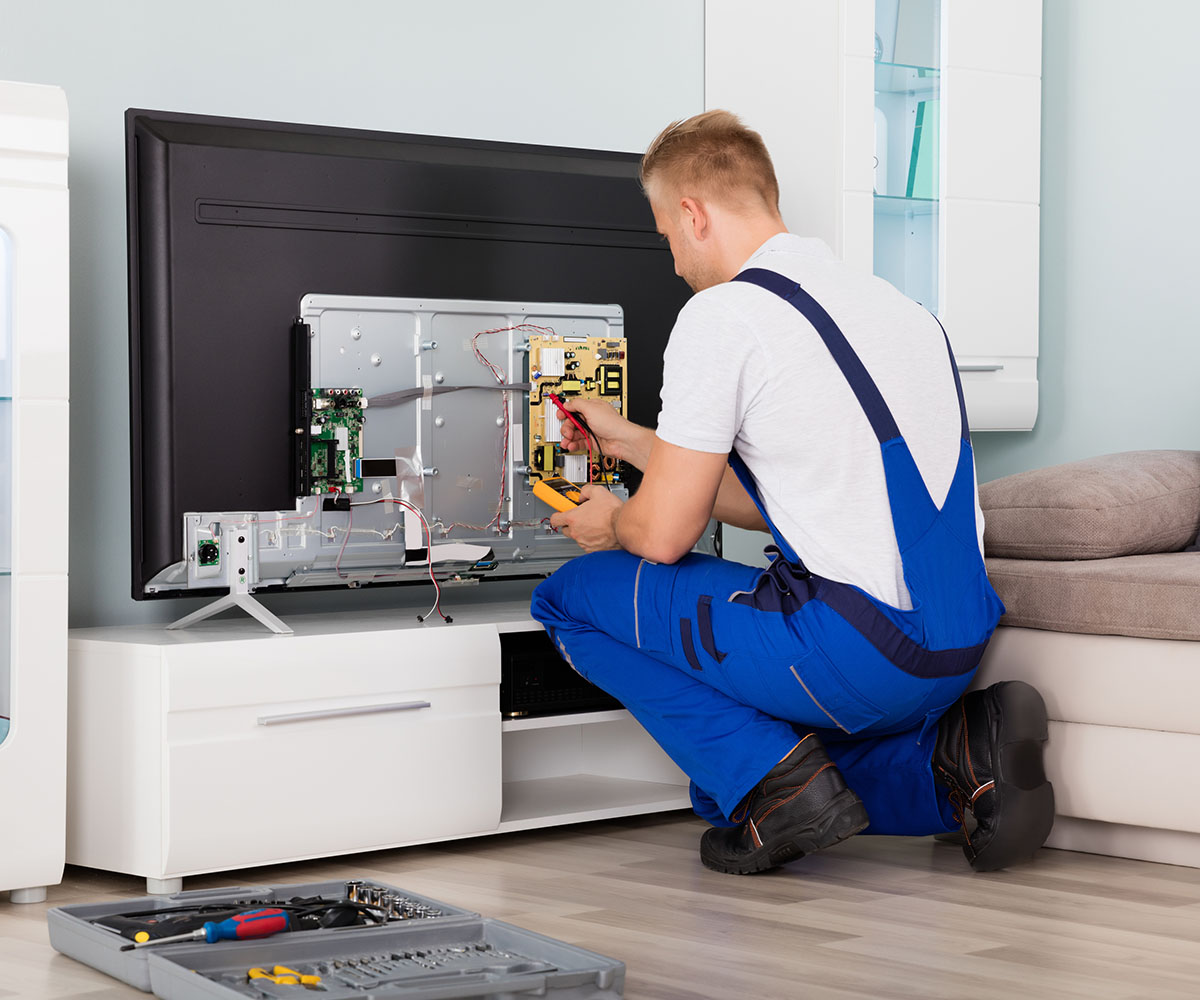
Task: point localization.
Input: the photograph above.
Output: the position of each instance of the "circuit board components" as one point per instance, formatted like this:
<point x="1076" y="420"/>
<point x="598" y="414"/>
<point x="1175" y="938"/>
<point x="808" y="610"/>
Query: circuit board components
<point x="565" y="367"/>
<point x="335" y="440"/>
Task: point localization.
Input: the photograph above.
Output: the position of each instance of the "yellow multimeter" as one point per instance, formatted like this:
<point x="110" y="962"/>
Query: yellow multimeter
<point x="559" y="493"/>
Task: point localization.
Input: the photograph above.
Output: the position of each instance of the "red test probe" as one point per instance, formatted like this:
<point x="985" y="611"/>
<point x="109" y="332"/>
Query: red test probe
<point x="568" y="415"/>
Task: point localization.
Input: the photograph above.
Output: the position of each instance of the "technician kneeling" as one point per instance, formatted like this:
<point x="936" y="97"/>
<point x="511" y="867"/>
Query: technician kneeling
<point x="823" y="695"/>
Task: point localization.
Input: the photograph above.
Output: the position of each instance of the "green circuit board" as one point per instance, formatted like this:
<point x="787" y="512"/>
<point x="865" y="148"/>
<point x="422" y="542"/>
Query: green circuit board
<point x="335" y="440"/>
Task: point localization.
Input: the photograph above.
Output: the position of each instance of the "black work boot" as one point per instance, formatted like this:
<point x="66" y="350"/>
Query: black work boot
<point x="801" y="806"/>
<point x="989" y="754"/>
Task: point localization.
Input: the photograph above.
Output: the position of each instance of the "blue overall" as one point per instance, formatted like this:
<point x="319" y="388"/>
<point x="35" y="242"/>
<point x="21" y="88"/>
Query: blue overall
<point x="727" y="665"/>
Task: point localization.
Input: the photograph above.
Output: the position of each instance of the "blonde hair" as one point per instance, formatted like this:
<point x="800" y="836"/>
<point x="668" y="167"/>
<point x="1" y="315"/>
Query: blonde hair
<point x="712" y="155"/>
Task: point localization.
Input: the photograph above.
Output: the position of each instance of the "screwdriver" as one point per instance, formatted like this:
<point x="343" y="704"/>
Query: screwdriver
<point x="241" y="927"/>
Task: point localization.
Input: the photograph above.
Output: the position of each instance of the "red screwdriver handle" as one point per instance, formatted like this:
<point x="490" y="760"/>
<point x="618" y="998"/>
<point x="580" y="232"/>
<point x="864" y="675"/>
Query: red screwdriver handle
<point x="251" y="924"/>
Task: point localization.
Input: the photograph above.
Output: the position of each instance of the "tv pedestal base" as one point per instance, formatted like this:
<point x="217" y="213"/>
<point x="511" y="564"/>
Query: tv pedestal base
<point x="235" y="599"/>
<point x="184" y="745"/>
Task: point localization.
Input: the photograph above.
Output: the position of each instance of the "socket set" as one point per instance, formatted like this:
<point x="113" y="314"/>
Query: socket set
<point x="399" y="946"/>
<point x="392" y="905"/>
<point x="366" y="974"/>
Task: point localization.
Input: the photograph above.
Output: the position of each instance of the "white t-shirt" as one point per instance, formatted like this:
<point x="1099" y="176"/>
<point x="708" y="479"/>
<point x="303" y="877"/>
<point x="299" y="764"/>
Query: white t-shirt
<point x="743" y="368"/>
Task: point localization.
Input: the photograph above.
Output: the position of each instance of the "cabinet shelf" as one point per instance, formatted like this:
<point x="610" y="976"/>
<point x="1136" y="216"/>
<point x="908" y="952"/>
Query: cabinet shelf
<point x="556" y="721"/>
<point x="579" y="798"/>
<point x="898" y="78"/>
<point x="888" y="204"/>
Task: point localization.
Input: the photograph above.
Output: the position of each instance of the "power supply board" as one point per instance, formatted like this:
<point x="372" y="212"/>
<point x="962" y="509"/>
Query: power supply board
<point x="569" y="367"/>
<point x="335" y="440"/>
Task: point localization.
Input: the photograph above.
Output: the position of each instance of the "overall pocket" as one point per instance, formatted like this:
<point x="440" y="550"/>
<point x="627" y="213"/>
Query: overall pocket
<point x="818" y="695"/>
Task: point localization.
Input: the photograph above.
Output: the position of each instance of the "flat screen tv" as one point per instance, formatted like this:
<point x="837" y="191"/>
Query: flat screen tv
<point x="238" y="227"/>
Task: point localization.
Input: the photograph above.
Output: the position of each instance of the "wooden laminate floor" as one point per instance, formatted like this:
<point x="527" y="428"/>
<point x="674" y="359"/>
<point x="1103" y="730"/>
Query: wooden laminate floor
<point x="874" y="917"/>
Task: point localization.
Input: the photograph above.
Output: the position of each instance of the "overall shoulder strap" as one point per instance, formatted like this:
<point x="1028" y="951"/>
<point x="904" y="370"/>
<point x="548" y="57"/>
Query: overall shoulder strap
<point x="861" y="383"/>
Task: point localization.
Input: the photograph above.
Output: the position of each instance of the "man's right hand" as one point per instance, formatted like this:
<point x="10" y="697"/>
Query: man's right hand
<point x="619" y="438"/>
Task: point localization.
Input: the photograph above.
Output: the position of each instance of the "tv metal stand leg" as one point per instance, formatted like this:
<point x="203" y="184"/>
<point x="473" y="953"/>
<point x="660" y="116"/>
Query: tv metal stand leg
<point x="245" y="602"/>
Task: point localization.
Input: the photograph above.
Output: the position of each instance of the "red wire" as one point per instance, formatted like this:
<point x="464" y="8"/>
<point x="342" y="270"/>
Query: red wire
<point x="437" y="590"/>
<point x="499" y="376"/>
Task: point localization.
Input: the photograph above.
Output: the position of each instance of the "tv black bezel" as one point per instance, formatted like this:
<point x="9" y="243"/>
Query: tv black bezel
<point x="585" y="200"/>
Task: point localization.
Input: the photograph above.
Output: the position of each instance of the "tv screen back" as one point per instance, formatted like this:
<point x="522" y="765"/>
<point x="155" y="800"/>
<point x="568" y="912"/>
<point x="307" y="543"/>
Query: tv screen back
<point x="233" y="222"/>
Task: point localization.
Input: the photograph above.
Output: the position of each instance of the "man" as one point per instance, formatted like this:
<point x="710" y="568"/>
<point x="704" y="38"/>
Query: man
<point x="823" y="695"/>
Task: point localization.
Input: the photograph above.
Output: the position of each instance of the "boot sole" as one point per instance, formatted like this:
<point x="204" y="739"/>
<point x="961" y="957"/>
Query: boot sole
<point x="1024" y="798"/>
<point x="843" y="816"/>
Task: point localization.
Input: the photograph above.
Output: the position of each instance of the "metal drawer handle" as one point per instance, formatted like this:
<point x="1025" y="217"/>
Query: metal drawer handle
<point x="334" y="713"/>
<point x="981" y="368"/>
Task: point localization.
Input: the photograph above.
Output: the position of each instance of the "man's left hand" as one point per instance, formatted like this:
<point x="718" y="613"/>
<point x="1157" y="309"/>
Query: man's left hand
<point x="592" y="524"/>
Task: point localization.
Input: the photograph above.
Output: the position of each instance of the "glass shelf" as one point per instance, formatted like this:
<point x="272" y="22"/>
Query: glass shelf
<point x="887" y="204"/>
<point x="896" y="78"/>
<point x="907" y="151"/>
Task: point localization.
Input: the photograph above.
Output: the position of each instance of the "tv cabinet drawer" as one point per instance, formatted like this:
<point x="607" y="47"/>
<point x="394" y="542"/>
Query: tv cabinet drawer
<point x="281" y="781"/>
<point x="283" y="670"/>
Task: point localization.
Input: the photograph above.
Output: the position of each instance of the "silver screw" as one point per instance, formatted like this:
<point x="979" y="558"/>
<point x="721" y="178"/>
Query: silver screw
<point x="376" y="360"/>
<point x="428" y="345"/>
<point x="355" y="334"/>
<point x="439" y="377"/>
<point x="377" y="487"/>
<point x="429" y="470"/>
<point x="499" y="421"/>
<point x="439" y="421"/>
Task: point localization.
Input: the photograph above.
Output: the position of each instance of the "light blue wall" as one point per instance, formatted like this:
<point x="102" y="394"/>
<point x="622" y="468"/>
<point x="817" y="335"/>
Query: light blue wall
<point x="1120" y="334"/>
<point x="1120" y="312"/>
<point x="604" y="74"/>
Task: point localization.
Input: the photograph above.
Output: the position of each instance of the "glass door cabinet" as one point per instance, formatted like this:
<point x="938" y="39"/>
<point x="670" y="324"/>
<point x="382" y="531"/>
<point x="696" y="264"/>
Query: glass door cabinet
<point x="907" y="130"/>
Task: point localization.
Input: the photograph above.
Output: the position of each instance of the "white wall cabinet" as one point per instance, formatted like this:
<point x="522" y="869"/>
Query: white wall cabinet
<point x="224" y="746"/>
<point x="804" y="76"/>
<point x="33" y="494"/>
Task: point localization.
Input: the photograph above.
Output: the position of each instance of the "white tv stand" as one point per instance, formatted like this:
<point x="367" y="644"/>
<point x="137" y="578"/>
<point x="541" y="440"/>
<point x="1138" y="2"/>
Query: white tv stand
<point x="224" y="746"/>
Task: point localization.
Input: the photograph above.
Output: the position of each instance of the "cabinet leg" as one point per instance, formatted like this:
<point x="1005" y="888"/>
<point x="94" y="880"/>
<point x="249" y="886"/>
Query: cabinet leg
<point x="164" y="886"/>
<point x="37" y="894"/>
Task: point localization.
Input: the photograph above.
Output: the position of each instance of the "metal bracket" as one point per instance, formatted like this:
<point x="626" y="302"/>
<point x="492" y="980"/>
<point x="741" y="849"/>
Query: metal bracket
<point x="240" y="554"/>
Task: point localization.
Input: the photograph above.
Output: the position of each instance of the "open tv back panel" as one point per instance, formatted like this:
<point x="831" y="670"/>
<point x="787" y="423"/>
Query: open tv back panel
<point x="420" y="427"/>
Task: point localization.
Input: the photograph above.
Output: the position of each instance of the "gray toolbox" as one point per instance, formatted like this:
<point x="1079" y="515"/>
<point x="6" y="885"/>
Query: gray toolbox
<point x="428" y="950"/>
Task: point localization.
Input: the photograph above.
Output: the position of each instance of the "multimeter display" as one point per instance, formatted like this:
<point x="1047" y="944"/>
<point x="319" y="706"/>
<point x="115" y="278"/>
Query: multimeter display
<point x="559" y="493"/>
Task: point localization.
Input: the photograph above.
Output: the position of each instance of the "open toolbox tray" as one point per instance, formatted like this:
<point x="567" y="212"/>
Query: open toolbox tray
<point x="456" y="953"/>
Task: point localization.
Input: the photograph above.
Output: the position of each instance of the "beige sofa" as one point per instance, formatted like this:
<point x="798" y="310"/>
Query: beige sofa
<point x="1104" y="619"/>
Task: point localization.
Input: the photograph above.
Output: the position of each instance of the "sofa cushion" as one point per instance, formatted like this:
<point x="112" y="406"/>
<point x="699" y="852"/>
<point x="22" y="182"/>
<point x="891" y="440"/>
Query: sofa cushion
<point x="1153" y="596"/>
<point x="1115" y="505"/>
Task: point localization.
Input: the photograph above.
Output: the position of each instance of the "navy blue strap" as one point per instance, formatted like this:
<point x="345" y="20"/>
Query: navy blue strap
<point x="897" y="648"/>
<point x="783" y="589"/>
<point x="962" y="406"/>
<point x="863" y="386"/>
<point x="746" y="478"/>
